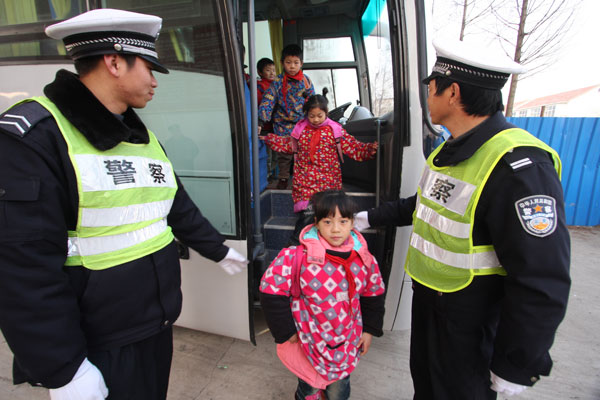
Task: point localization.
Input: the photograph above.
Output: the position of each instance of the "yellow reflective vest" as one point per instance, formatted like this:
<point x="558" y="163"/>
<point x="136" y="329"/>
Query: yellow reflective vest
<point x="441" y="254"/>
<point x="125" y="194"/>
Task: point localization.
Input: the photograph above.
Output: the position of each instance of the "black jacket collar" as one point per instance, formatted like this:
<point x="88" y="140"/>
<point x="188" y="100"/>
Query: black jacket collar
<point x="100" y="127"/>
<point x="463" y="147"/>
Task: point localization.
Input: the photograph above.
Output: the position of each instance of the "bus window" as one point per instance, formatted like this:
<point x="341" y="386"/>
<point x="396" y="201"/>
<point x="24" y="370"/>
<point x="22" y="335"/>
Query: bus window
<point x="33" y="13"/>
<point x="328" y="50"/>
<point x="262" y="45"/>
<point x="339" y="78"/>
<point x="379" y="57"/>
<point x="190" y="113"/>
<point x="341" y="84"/>
<point x="14" y="12"/>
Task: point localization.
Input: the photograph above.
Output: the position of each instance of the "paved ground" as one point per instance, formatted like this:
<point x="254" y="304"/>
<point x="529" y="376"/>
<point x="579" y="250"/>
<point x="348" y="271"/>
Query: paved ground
<point x="210" y="367"/>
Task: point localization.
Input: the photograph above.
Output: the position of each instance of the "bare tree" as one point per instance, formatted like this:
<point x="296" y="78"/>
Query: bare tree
<point x="468" y="12"/>
<point x="531" y="32"/>
<point x="537" y="28"/>
<point x="473" y="11"/>
<point x="382" y="89"/>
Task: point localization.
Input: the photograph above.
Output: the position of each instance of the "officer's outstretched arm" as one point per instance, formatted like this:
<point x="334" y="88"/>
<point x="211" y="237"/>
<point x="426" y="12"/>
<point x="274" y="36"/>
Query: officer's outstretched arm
<point x="393" y="213"/>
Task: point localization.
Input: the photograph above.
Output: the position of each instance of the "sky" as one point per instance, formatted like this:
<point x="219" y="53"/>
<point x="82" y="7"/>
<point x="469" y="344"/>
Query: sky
<point x="578" y="62"/>
<point x="575" y="65"/>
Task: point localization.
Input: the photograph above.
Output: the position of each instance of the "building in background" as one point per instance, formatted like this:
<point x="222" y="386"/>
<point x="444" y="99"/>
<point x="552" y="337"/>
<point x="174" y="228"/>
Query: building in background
<point x="584" y="102"/>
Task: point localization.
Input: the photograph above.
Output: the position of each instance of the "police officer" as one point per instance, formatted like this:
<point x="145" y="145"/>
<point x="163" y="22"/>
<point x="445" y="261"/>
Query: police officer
<point x="89" y="207"/>
<point x="489" y="252"/>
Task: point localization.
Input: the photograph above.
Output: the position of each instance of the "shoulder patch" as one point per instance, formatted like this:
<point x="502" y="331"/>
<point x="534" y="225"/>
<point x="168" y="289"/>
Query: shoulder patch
<point x="518" y="159"/>
<point x="537" y="214"/>
<point x="523" y="157"/>
<point x="21" y="118"/>
<point x="523" y="162"/>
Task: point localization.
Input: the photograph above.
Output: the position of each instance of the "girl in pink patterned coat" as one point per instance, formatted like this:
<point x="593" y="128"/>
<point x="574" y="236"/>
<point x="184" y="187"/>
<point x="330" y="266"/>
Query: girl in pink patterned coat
<point x="322" y="333"/>
<point x="317" y="143"/>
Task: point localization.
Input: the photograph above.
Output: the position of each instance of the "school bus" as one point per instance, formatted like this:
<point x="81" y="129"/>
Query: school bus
<point x="368" y="56"/>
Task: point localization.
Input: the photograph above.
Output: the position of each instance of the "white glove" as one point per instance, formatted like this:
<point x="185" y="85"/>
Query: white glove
<point x="505" y="387"/>
<point x="233" y="262"/>
<point x="87" y="384"/>
<point x="361" y="221"/>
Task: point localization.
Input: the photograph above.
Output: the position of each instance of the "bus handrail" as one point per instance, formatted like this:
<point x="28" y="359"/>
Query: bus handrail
<point x="378" y="169"/>
<point x="259" y="245"/>
<point x="378" y="124"/>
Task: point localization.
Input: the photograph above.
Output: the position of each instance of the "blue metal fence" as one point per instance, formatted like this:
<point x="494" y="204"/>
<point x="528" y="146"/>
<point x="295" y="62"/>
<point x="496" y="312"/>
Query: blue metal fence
<point x="577" y="141"/>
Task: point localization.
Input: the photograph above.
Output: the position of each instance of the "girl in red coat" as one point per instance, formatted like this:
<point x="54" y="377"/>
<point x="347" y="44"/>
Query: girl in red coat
<point x="324" y="301"/>
<point x="317" y="143"/>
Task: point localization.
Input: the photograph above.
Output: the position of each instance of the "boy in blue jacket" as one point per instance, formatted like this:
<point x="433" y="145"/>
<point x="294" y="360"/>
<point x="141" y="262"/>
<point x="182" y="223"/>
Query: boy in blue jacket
<point x="283" y="101"/>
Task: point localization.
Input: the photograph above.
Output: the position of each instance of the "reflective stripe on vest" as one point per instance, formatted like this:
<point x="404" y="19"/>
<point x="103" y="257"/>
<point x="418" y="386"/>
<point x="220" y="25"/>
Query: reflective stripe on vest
<point x="91" y="246"/>
<point x="441" y="253"/>
<point x="484" y="260"/>
<point x="125" y="194"/>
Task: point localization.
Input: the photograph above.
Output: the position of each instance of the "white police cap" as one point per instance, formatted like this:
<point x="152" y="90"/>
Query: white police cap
<point x="472" y="64"/>
<point x="110" y="31"/>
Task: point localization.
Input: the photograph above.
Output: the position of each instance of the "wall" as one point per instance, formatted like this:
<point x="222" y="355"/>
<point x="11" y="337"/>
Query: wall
<point x="577" y="141"/>
<point x="586" y="105"/>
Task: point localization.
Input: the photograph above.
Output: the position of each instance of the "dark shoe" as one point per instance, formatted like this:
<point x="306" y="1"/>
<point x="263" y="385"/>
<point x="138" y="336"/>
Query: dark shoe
<point x="282" y="184"/>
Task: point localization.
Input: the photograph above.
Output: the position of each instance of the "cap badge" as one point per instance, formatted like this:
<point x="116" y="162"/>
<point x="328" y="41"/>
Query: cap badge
<point x="441" y="68"/>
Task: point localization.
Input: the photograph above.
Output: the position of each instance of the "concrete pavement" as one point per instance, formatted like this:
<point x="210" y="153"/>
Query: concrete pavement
<point x="211" y="367"/>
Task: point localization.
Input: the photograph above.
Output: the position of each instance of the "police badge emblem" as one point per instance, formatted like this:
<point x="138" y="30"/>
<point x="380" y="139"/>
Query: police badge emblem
<point x="537" y="214"/>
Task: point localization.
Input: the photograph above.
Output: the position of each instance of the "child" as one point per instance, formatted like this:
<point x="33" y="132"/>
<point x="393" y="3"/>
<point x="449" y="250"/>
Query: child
<point x="288" y="92"/>
<point x="338" y="278"/>
<point x="317" y="143"/>
<point x="266" y="71"/>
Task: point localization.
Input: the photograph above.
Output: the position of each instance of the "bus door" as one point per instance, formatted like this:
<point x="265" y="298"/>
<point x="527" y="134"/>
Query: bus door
<point x="198" y="115"/>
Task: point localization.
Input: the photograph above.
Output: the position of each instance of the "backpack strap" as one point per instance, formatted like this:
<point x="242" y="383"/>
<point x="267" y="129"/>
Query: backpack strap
<point x="307" y="82"/>
<point x="295" y="290"/>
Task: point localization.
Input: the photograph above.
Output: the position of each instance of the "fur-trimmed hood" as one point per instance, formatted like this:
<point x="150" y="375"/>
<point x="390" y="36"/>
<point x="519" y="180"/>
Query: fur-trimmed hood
<point x="101" y="127"/>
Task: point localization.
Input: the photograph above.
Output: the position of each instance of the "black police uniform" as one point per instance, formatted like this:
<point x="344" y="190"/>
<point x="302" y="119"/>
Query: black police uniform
<point x="53" y="316"/>
<point x="506" y="324"/>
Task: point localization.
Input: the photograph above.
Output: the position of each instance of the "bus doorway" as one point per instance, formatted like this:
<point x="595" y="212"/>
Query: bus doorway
<point x="357" y="54"/>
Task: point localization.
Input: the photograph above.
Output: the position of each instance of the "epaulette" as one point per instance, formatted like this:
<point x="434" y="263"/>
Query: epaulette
<point x="21" y="118"/>
<point x="523" y="157"/>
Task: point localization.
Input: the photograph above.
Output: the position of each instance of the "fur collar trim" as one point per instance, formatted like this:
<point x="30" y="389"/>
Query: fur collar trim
<point x="100" y="127"/>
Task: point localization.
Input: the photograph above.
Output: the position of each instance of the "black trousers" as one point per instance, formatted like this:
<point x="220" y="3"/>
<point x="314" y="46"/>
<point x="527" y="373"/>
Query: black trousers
<point x="138" y="371"/>
<point x="452" y="338"/>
